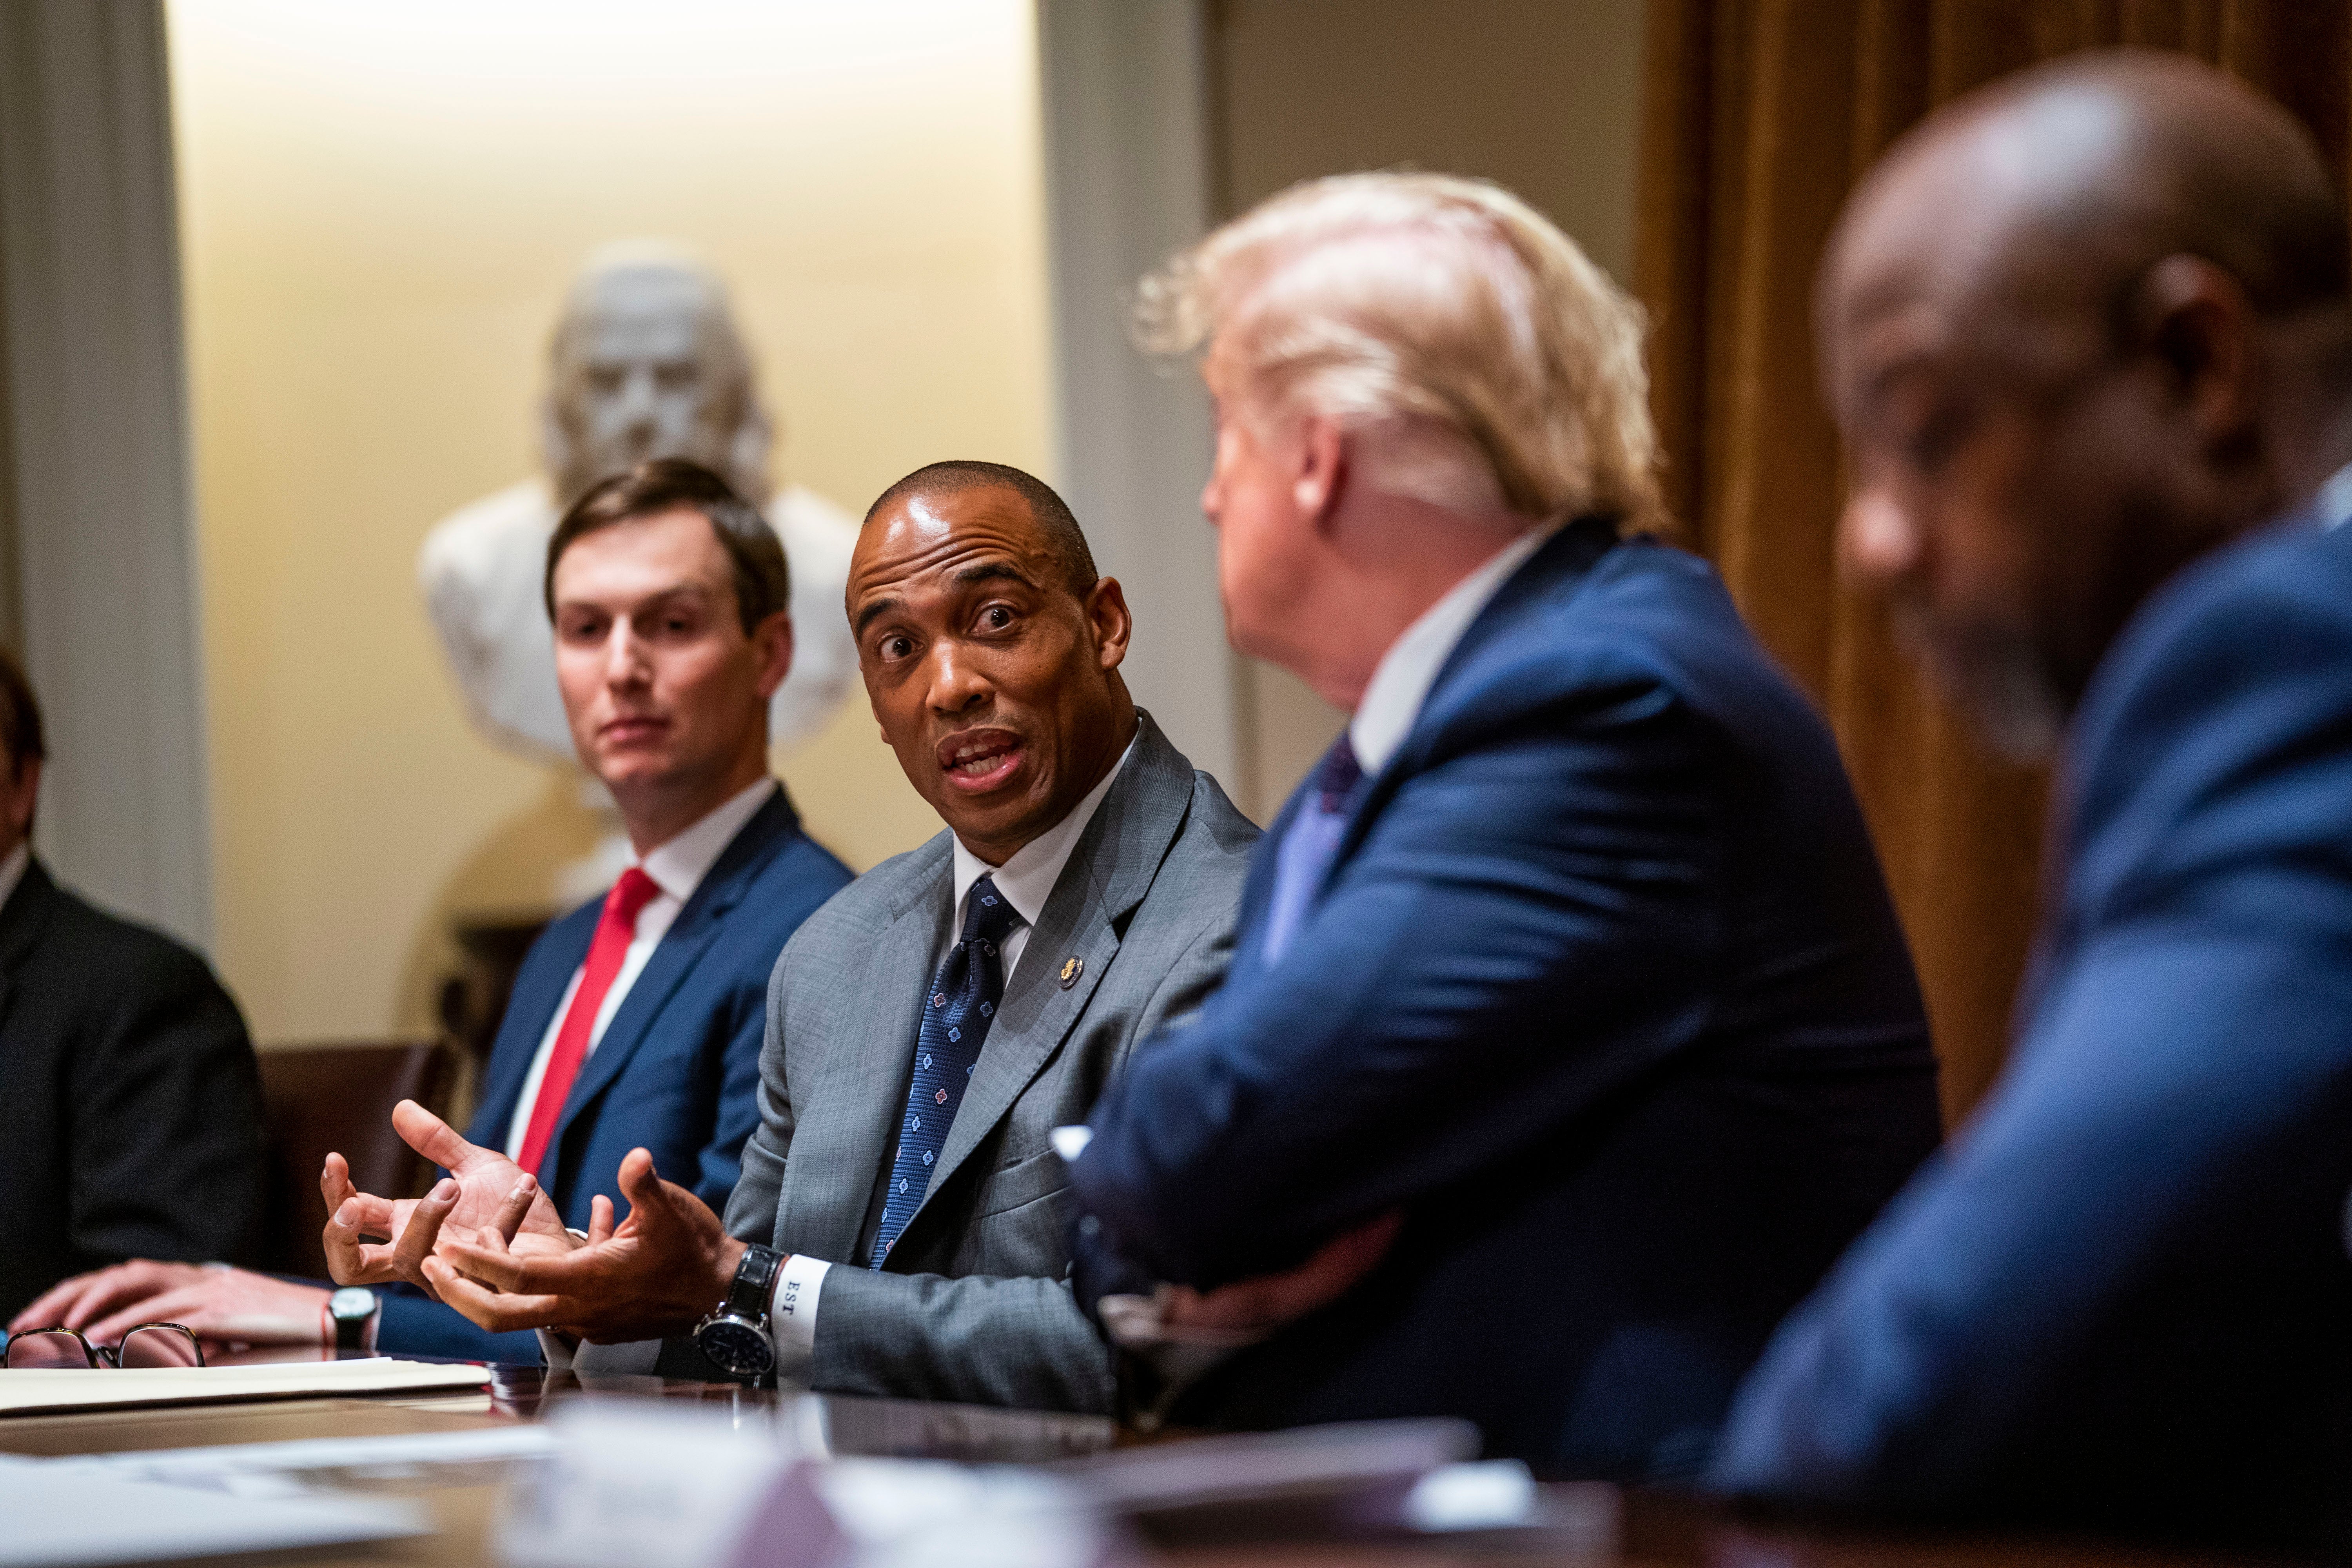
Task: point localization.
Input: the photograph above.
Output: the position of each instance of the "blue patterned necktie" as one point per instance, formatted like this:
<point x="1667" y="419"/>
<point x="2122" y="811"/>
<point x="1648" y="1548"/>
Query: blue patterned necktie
<point x="1303" y="858"/>
<point x="956" y="1011"/>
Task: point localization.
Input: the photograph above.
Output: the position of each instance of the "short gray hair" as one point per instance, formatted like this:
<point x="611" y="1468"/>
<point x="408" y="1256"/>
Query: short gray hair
<point x="1507" y="363"/>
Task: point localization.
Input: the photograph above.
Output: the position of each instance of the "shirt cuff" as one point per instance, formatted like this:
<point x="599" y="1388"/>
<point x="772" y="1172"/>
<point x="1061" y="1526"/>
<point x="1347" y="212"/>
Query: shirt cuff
<point x="557" y="1348"/>
<point x="792" y="1314"/>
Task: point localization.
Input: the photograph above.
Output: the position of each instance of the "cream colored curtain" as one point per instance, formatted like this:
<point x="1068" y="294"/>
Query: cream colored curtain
<point x="1758" y="116"/>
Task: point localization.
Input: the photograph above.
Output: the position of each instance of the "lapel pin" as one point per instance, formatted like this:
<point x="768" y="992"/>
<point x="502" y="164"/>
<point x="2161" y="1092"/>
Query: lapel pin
<point x="1071" y="969"/>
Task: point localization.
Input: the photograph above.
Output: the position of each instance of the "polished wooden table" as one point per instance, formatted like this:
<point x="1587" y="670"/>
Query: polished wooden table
<point x="1657" y="1531"/>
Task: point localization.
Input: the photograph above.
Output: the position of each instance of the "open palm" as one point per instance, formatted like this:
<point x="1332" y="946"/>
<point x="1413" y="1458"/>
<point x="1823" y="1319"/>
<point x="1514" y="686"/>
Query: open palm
<point x="655" y="1275"/>
<point x="475" y="1194"/>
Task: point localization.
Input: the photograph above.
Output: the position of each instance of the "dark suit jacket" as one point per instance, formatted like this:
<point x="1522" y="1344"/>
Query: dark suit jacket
<point x="2121" y="1298"/>
<point x="130" y="1107"/>
<point x="1603" y="991"/>
<point x="678" y="1071"/>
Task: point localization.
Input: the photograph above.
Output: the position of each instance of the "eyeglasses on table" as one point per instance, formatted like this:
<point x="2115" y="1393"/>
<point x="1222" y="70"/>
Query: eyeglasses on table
<point x="68" y="1350"/>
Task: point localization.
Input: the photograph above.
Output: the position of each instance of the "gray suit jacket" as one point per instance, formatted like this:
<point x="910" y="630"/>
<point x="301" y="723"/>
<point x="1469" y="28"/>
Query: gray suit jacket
<point x="974" y="1304"/>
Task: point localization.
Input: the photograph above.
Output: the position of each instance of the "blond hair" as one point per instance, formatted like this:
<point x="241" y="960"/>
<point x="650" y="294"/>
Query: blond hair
<point x="1505" y="364"/>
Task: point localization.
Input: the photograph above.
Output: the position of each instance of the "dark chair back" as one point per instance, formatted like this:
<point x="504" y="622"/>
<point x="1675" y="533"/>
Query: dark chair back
<point x="338" y="1098"/>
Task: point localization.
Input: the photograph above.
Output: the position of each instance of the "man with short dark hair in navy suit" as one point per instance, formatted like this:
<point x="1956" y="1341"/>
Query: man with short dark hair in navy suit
<point x="1570" y="1035"/>
<point x="2089" y="338"/>
<point x="637" y="1021"/>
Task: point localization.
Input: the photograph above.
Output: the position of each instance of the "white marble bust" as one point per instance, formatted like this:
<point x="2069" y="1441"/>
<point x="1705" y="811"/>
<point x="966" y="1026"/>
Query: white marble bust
<point x="646" y="362"/>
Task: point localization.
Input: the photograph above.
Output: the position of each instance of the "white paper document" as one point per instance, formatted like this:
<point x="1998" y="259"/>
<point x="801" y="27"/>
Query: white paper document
<point x="74" y="1516"/>
<point x="27" y="1393"/>
<point x="303" y="1464"/>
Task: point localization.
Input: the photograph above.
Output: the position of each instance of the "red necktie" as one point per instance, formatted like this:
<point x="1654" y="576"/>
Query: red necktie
<point x="614" y="931"/>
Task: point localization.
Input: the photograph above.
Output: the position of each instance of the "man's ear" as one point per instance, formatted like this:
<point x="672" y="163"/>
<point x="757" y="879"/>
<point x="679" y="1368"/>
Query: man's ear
<point x="1320" y="477"/>
<point x="771" y="644"/>
<point x="2196" y="322"/>
<point x="1113" y="623"/>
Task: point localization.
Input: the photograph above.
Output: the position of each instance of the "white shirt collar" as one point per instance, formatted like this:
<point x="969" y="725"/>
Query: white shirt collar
<point x="2333" y="501"/>
<point x="679" y="865"/>
<point x="12" y="869"/>
<point x="1027" y="877"/>
<point x="1401" y="681"/>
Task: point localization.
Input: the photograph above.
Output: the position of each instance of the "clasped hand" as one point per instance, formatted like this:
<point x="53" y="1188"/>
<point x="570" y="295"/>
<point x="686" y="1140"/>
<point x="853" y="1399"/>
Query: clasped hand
<point x="488" y="1242"/>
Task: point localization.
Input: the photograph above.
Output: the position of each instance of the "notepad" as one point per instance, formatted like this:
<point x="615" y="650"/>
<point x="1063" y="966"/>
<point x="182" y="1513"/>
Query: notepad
<point x="26" y="1393"/>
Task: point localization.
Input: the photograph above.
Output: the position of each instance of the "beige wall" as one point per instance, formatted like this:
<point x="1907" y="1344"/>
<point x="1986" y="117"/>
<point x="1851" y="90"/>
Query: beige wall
<point x="380" y="205"/>
<point x="1543" y="95"/>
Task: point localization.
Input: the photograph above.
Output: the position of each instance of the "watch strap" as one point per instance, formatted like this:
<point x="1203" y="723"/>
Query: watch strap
<point x="351" y="1332"/>
<point x="755" y="1279"/>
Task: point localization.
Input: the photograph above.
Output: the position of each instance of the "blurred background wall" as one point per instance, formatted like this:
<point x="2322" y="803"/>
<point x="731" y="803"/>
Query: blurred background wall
<point x="1543" y="95"/>
<point x="380" y="207"/>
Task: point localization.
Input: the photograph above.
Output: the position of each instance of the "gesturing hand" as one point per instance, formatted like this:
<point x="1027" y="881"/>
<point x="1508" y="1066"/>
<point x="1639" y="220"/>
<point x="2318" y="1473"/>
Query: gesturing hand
<point x="1248" y="1309"/>
<point x="479" y="1183"/>
<point x="657" y="1275"/>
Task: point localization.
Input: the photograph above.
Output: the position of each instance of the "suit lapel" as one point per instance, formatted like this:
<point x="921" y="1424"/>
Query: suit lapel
<point x="1566" y="556"/>
<point x="675" y="956"/>
<point x="841" y="1132"/>
<point x="1036" y="1015"/>
<point x="1257" y="890"/>
<point x="1106" y="879"/>
<point x="22" y="921"/>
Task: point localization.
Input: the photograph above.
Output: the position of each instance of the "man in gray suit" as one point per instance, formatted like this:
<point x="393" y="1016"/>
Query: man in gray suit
<point x="899" y="1227"/>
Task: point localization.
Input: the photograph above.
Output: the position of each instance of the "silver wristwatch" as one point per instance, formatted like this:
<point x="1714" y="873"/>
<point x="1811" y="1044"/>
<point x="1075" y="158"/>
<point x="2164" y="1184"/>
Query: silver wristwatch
<point x="734" y="1338"/>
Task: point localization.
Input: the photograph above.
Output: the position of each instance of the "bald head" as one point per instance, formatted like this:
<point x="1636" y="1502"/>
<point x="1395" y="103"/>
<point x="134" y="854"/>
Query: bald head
<point x="2078" y="329"/>
<point x="2048" y="194"/>
<point x="1057" y="527"/>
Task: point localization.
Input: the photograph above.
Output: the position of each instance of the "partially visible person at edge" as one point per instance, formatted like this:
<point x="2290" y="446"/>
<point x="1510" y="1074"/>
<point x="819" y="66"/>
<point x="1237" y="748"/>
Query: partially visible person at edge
<point x="2088" y="337"/>
<point x="635" y="1019"/>
<point x="1569" y="994"/>
<point x="901" y="1228"/>
<point x="130" y="1107"/>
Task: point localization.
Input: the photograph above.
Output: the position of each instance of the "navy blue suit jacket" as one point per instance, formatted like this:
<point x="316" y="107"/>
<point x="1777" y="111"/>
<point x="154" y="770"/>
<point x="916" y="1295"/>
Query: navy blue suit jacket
<point x="1603" y="991"/>
<point x="678" y="1071"/>
<point x="2121" y="1298"/>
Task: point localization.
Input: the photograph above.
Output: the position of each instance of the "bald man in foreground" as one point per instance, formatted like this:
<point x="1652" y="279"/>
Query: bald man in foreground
<point x="2088" y="337"/>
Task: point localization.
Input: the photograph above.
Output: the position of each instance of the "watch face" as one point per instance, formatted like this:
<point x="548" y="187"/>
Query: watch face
<point x="736" y="1347"/>
<point x="351" y="1302"/>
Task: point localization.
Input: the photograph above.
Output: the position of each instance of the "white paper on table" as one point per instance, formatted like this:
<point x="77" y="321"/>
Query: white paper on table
<point x="924" y="1513"/>
<point x="41" y="1392"/>
<point x="260" y="1469"/>
<point x="639" y="1484"/>
<point x="635" y="1485"/>
<point x="67" y="1515"/>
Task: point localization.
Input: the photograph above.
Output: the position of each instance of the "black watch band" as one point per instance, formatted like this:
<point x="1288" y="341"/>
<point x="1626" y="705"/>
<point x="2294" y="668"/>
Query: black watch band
<point x="755" y="1279"/>
<point x="734" y="1338"/>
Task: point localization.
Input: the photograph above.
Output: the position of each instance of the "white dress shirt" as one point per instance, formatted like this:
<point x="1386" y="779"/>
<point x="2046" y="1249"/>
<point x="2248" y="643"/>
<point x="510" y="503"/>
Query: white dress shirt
<point x="1027" y="877"/>
<point x="677" y="868"/>
<point x="1026" y="880"/>
<point x="2333" y="503"/>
